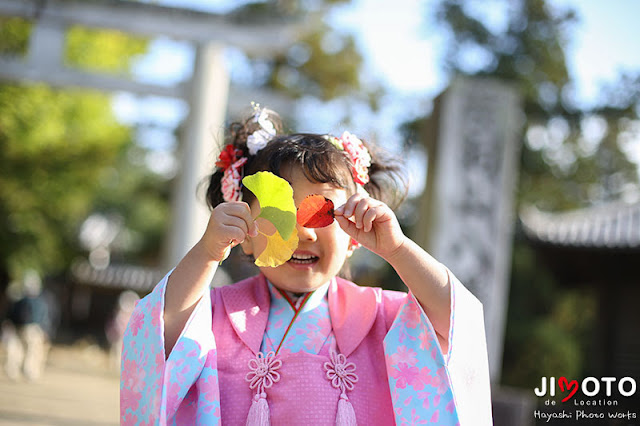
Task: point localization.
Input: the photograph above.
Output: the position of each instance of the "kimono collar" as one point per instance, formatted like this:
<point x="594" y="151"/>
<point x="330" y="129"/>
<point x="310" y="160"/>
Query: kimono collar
<point x="352" y="308"/>
<point x="314" y="300"/>
<point x="247" y="306"/>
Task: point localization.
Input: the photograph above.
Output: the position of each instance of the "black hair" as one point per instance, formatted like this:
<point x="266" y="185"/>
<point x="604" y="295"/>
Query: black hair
<point x="320" y="160"/>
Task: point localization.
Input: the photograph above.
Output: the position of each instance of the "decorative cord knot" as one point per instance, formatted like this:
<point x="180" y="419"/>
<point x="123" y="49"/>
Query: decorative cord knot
<point x="342" y="375"/>
<point x="262" y="376"/>
<point x="263" y="372"/>
<point x="340" y="372"/>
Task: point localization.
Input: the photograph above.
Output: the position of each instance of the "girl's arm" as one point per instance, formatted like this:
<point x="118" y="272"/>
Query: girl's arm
<point x="374" y="225"/>
<point x="428" y="280"/>
<point x="228" y="226"/>
<point x="186" y="286"/>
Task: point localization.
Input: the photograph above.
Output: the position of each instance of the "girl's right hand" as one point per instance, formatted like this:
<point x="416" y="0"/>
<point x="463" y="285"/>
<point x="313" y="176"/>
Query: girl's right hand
<point x="229" y="224"/>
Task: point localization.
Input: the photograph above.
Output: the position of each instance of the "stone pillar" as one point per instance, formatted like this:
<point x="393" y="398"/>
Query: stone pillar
<point x="198" y="150"/>
<point x="46" y="45"/>
<point x="468" y="207"/>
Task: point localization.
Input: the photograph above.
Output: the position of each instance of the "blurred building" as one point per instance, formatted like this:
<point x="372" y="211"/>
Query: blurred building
<point x="89" y="299"/>
<point x="598" y="249"/>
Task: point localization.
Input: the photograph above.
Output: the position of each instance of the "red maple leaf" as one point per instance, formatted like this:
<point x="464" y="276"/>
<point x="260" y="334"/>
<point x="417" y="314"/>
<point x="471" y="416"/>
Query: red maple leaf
<point x="315" y="211"/>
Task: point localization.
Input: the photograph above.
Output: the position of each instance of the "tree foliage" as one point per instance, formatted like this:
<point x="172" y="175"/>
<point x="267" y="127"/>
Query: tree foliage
<point x="58" y="148"/>
<point x="323" y="63"/>
<point x="572" y="155"/>
<point x="64" y="155"/>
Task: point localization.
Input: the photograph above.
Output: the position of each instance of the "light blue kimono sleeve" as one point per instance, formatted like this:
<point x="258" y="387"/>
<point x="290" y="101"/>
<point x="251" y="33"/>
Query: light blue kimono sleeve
<point x="429" y="386"/>
<point x="184" y="388"/>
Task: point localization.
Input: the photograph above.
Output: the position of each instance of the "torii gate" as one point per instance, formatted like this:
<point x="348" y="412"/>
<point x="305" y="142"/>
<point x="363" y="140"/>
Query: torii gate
<point x="206" y="92"/>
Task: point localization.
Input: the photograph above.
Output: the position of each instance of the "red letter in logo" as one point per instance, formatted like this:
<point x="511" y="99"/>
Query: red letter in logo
<point x="563" y="382"/>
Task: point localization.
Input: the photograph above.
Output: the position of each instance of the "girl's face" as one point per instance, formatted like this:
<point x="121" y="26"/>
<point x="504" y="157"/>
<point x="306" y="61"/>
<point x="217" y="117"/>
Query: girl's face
<point x="321" y="252"/>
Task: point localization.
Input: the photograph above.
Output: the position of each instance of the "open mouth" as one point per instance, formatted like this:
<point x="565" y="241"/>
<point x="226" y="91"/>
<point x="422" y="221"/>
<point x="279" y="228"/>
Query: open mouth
<point x="303" y="259"/>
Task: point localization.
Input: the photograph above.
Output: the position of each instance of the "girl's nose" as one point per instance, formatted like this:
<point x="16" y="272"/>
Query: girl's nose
<point x="306" y="234"/>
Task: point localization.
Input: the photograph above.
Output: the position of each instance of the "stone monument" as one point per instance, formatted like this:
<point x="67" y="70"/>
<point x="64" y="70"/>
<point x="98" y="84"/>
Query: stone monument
<point x="468" y="206"/>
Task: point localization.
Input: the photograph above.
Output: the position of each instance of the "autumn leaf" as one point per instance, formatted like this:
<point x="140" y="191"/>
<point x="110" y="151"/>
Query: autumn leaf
<point x="278" y="251"/>
<point x="315" y="211"/>
<point x="275" y="196"/>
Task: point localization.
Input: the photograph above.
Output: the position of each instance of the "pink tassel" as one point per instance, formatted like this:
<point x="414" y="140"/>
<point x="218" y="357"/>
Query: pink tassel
<point x="259" y="411"/>
<point x="346" y="416"/>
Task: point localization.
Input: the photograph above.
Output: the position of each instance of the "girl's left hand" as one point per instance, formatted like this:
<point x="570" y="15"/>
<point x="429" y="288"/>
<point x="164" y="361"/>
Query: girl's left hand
<point x="372" y="223"/>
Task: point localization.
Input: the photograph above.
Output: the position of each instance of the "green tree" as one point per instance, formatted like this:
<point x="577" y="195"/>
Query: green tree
<point x="145" y="221"/>
<point x="57" y="150"/>
<point x="323" y="62"/>
<point x="66" y="156"/>
<point x="562" y="165"/>
<point x="572" y="156"/>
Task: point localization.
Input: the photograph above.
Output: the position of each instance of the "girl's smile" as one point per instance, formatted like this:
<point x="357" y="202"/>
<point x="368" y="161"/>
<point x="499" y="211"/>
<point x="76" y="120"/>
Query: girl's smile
<point x="303" y="259"/>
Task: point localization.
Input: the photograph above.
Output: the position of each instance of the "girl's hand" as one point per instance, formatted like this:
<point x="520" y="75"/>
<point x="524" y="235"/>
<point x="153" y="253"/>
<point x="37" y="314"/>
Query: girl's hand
<point x="372" y="223"/>
<point x="229" y="224"/>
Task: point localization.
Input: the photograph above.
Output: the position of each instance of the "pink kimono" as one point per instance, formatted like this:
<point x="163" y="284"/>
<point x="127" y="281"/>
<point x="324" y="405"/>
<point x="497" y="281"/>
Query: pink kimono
<point x="383" y="363"/>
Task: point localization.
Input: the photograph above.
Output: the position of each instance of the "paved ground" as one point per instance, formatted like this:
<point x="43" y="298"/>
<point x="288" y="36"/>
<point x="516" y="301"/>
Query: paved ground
<point x="77" y="388"/>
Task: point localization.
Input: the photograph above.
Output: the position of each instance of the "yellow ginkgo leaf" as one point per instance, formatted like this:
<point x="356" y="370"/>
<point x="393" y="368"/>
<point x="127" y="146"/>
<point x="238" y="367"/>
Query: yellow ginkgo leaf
<point x="275" y="197"/>
<point x="277" y="251"/>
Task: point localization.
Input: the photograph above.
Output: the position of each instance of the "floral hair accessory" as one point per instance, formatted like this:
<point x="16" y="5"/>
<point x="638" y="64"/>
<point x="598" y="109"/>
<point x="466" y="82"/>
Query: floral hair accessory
<point x="360" y="157"/>
<point x="229" y="155"/>
<point x="231" y="159"/>
<point x="231" y="162"/>
<point x="259" y="139"/>
<point x="357" y="153"/>
<point x="335" y="142"/>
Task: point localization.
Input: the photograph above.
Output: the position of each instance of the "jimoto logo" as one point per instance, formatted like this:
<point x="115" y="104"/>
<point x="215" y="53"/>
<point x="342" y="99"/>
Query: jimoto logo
<point x="591" y="399"/>
<point x="590" y="387"/>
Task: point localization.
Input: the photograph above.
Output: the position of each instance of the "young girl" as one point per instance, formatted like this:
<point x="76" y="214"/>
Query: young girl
<point x="298" y="345"/>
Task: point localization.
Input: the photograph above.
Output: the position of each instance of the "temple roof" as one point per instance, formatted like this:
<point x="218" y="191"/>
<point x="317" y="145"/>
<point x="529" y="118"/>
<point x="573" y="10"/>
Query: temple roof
<point x="132" y="277"/>
<point x="611" y="225"/>
<point x="137" y="278"/>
